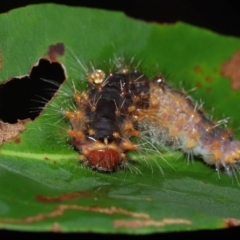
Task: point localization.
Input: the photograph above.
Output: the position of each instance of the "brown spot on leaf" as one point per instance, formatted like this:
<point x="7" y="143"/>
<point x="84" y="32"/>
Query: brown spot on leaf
<point x="198" y="84"/>
<point x="55" y="50"/>
<point x="208" y="79"/>
<point x="198" y="69"/>
<point x="8" y="132"/>
<point x="232" y="222"/>
<point x="136" y="223"/>
<point x="56" y="227"/>
<point x="231" y="69"/>
<point x="17" y="140"/>
<point x="63" y="197"/>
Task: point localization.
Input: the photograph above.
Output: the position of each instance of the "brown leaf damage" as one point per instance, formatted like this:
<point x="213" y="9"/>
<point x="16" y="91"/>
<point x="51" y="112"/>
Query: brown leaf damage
<point x="9" y="132"/>
<point x="141" y="219"/>
<point x="56" y="227"/>
<point x="231" y="69"/>
<point x="199" y="70"/>
<point x="232" y="222"/>
<point x="150" y="223"/>
<point x="61" y="209"/>
<point x="23" y="97"/>
<point x="55" y="51"/>
<point x="63" y="197"/>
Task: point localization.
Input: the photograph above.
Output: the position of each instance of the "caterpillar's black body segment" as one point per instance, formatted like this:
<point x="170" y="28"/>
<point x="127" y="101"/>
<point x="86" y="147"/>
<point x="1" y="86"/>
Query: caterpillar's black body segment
<point x="108" y="109"/>
<point x="111" y="103"/>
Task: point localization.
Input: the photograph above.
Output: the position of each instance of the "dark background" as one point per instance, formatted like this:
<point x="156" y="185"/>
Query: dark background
<point x="220" y="16"/>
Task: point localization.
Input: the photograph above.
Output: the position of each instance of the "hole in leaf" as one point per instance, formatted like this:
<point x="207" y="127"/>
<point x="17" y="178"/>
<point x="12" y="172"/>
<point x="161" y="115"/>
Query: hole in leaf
<point x="25" y="97"/>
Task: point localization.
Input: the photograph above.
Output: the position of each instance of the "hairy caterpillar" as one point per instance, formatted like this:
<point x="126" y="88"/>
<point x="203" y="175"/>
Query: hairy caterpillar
<point x="123" y="102"/>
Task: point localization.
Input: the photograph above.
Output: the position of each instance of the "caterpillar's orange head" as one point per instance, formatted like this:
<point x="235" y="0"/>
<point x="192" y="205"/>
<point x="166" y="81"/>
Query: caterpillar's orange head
<point x="104" y="160"/>
<point x="103" y="157"/>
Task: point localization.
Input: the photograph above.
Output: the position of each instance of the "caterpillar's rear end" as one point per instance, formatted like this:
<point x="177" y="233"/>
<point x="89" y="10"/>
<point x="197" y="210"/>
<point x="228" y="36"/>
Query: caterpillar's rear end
<point x="181" y="124"/>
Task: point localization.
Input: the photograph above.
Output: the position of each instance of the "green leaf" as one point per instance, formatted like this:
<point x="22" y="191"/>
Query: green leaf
<point x="43" y="186"/>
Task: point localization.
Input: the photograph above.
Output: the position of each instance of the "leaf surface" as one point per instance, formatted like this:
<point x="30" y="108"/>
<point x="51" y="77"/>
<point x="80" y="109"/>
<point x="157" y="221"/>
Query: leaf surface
<point x="45" y="188"/>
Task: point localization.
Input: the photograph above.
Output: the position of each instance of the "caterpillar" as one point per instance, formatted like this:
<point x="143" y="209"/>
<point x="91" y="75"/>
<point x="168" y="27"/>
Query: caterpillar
<point x="123" y="102"/>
